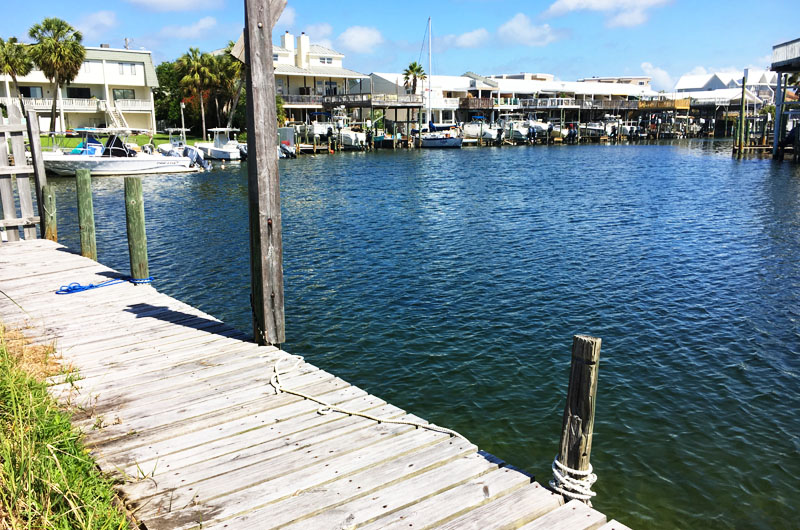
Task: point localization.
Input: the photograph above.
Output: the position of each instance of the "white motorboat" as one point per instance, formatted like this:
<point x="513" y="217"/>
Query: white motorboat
<point x="114" y="157"/>
<point x="177" y="141"/>
<point x="223" y="146"/>
<point x="441" y="139"/>
<point x="478" y="128"/>
<point x="514" y="126"/>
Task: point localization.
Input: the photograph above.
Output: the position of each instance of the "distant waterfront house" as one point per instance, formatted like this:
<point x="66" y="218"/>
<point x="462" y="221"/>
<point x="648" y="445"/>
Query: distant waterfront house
<point x="305" y="73"/>
<point x="114" y="89"/>
<point x="638" y="80"/>
<point x="761" y="83"/>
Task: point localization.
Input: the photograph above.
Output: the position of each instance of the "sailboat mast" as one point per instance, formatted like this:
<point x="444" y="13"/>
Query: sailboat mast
<point x="430" y="71"/>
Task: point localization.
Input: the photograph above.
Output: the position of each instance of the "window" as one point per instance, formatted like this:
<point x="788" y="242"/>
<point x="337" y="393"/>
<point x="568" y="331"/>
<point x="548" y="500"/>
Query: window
<point x="322" y="60"/>
<point x="274" y="57"/>
<point x="79" y="92"/>
<point x="279" y="85"/>
<point x="31" y="91"/>
<point x="326" y="60"/>
<point x="124" y="93"/>
<point x="121" y="68"/>
<point x="330" y="88"/>
<point x="133" y="68"/>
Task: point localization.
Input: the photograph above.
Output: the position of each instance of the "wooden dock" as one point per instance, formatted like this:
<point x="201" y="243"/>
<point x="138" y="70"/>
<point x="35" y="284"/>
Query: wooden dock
<point x="179" y="406"/>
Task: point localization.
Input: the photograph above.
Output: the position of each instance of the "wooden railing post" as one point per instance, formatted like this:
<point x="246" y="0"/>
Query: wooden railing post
<point x="266" y="247"/>
<point x="83" y="185"/>
<point x="572" y="464"/>
<point x="137" y="238"/>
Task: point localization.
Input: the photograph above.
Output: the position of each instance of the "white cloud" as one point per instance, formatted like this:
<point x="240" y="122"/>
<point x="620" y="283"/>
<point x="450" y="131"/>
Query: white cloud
<point x="661" y="80"/>
<point x="621" y="13"/>
<point x="95" y="25"/>
<point x="470" y="39"/>
<point x="521" y="30"/>
<point x="175" y="5"/>
<point x="192" y="31"/>
<point x="286" y="19"/>
<point x="319" y="31"/>
<point x="360" y="39"/>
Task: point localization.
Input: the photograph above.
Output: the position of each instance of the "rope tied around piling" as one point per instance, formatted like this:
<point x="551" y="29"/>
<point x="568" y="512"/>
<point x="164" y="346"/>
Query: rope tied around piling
<point x="327" y="408"/>
<point x="76" y="287"/>
<point x="573" y="483"/>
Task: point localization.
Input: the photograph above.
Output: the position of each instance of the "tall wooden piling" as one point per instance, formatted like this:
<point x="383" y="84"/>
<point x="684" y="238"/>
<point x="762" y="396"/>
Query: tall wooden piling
<point x="137" y="238"/>
<point x="266" y="249"/>
<point x="83" y="185"/>
<point x="742" y="109"/>
<point x="578" y="423"/>
<point x="46" y="205"/>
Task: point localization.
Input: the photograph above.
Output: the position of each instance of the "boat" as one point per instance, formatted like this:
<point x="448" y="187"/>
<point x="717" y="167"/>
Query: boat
<point x="177" y="140"/>
<point x="434" y="138"/>
<point x="478" y="128"/>
<point x="115" y="157"/>
<point x="223" y="147"/>
<point x="515" y="127"/>
<point x="349" y="138"/>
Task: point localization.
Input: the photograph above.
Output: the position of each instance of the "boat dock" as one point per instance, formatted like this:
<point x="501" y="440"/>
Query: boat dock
<point x="180" y="408"/>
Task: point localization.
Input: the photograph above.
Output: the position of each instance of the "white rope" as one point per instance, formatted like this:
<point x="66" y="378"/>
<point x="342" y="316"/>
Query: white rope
<point x="573" y="483"/>
<point x="327" y="408"/>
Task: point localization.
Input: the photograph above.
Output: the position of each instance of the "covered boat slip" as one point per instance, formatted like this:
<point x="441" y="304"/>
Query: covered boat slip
<point x="183" y="409"/>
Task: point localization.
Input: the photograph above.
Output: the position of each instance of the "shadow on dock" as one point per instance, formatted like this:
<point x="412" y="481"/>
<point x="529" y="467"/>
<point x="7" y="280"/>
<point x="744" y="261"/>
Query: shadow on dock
<point x="198" y="322"/>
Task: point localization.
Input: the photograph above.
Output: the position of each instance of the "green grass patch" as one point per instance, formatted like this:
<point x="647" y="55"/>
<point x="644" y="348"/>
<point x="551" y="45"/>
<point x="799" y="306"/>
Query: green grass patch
<point x="47" y="478"/>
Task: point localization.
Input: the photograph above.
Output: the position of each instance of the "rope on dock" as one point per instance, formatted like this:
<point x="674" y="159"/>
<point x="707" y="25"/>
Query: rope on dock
<point x="327" y="408"/>
<point x="76" y="287"/>
<point x="573" y="483"/>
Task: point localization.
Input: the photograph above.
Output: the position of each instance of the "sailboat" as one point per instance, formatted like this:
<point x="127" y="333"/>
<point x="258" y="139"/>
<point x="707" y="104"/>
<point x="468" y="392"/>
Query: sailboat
<point x="435" y="138"/>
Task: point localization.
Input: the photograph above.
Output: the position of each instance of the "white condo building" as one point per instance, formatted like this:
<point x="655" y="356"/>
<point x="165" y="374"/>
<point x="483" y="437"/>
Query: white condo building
<point x="114" y="89"/>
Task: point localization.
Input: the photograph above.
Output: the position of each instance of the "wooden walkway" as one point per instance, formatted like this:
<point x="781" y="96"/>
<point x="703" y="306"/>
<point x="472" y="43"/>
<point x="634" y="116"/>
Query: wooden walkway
<point x="179" y="405"/>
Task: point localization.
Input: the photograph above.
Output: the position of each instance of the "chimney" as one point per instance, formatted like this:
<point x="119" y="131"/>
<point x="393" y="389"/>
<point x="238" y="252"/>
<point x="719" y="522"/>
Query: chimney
<point x="287" y="41"/>
<point x="303" y="45"/>
<point x="105" y="45"/>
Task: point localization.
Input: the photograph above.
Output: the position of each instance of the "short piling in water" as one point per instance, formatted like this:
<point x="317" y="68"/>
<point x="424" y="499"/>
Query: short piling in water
<point x="572" y="471"/>
<point x="49" y="209"/>
<point x="83" y="185"/>
<point x="134" y="218"/>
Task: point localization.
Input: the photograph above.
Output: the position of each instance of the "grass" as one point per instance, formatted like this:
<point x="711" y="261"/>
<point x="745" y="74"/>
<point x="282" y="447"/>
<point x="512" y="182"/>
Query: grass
<point x="141" y="139"/>
<point x="47" y="479"/>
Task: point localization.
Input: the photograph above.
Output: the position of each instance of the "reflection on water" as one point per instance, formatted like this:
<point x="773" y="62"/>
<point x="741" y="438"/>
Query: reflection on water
<point x="450" y="283"/>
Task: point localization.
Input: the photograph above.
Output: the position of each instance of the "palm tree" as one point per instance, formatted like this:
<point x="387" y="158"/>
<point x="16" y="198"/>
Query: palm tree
<point x="234" y="75"/>
<point x="194" y="69"/>
<point x="15" y="61"/>
<point x="58" y="53"/>
<point x="412" y="74"/>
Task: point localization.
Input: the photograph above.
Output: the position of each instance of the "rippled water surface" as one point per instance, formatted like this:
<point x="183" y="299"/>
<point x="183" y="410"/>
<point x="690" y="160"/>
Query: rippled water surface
<point x="451" y="282"/>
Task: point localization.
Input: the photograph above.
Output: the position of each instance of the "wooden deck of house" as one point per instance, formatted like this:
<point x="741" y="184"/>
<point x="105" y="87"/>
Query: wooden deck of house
<point x="179" y="406"/>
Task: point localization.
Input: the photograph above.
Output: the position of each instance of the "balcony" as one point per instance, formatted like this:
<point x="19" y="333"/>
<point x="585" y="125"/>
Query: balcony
<point x="301" y="99"/>
<point x="373" y="100"/>
<point x="475" y="103"/>
<point x="444" y="103"/>
<point x="132" y="105"/>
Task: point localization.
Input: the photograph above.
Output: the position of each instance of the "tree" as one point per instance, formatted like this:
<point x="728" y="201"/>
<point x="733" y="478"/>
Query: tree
<point x="195" y="78"/>
<point x="167" y="96"/>
<point x="58" y="53"/>
<point x="15" y="62"/>
<point x="412" y="74"/>
<point x="279" y="110"/>
<point x="234" y="78"/>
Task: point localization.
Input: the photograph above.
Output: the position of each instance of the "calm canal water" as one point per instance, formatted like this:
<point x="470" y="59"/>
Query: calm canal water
<point x="451" y="282"/>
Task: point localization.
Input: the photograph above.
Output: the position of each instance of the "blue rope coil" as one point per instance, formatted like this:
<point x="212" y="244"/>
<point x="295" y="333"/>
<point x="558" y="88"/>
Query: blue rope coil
<point x="76" y="287"/>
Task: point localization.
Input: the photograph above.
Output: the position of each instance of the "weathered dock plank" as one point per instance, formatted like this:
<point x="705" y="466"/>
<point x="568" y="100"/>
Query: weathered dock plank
<point x="180" y="407"/>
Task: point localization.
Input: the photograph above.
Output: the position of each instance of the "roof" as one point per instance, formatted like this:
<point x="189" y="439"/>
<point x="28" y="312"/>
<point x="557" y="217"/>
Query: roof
<point x="688" y="82"/>
<point x="721" y="96"/>
<point x="281" y="49"/>
<point x="127" y="56"/>
<point x="317" y="71"/>
<point x="318" y="49"/>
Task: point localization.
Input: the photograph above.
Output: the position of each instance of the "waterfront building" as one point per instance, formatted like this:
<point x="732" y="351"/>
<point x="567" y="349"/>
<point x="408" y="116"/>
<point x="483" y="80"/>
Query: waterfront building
<point x="113" y="89"/>
<point x="305" y="73"/>
<point x="761" y="83"/>
<point x="638" y="80"/>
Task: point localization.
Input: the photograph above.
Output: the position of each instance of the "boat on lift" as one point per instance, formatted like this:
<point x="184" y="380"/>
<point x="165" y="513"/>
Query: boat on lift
<point x="114" y="156"/>
<point x="223" y="146"/>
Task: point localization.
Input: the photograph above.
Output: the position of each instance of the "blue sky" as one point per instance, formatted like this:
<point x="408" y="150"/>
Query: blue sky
<point x="567" y="38"/>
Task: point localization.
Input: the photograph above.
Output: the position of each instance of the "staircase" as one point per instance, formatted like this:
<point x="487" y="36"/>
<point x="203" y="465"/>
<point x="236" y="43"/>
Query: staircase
<point x="117" y="120"/>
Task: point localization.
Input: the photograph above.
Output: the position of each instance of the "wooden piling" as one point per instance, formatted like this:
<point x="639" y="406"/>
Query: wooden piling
<point x="266" y="248"/>
<point x="134" y="218"/>
<point x="40" y="178"/>
<point x="47" y="205"/>
<point x="83" y="184"/>
<point x="578" y="423"/>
